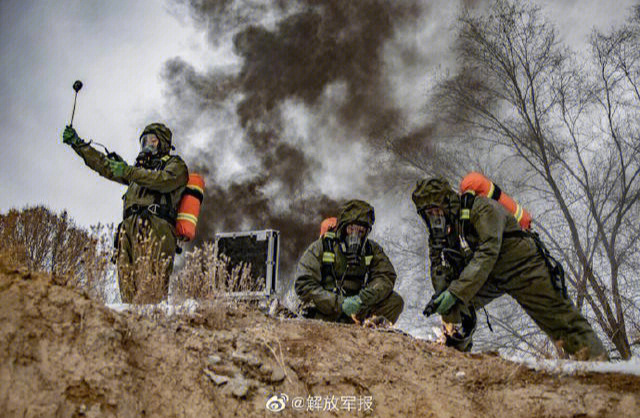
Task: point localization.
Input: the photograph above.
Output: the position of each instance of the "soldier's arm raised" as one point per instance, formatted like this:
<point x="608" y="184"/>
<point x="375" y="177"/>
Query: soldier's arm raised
<point x="97" y="161"/>
<point x="174" y="175"/>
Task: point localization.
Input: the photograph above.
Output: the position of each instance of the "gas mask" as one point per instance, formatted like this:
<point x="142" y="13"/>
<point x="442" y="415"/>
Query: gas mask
<point x="149" y="144"/>
<point x="354" y="238"/>
<point x="453" y="247"/>
<point x="437" y="223"/>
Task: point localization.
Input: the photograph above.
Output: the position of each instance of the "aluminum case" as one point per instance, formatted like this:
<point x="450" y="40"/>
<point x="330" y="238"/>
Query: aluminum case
<point x="259" y="248"/>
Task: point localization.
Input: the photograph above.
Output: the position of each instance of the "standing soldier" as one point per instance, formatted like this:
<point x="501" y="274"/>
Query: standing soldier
<point x="345" y="277"/>
<point x="495" y="257"/>
<point x="156" y="183"/>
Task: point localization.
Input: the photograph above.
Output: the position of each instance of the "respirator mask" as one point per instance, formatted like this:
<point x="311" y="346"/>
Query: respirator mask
<point x="437" y="223"/>
<point x="149" y="144"/>
<point x="354" y="239"/>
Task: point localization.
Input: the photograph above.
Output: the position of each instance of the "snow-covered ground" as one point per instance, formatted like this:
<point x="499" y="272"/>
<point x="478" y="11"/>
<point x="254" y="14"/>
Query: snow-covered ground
<point x="631" y="366"/>
<point x="188" y="307"/>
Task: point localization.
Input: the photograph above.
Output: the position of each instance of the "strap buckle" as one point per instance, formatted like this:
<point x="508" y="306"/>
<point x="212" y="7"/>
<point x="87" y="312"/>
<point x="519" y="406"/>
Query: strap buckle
<point x="153" y="209"/>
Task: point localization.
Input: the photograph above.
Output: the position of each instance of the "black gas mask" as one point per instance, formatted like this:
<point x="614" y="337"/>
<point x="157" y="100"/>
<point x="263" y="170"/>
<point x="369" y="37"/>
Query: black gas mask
<point x="355" y="235"/>
<point x="149" y="150"/>
<point x="444" y="238"/>
<point x="436" y="221"/>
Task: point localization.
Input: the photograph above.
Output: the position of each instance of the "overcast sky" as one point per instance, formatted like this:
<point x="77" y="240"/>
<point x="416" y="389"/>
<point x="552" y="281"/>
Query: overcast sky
<point x="117" y="48"/>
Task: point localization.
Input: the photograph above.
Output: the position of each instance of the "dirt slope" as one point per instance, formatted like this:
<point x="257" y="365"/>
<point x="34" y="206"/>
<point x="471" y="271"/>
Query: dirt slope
<point x="62" y="354"/>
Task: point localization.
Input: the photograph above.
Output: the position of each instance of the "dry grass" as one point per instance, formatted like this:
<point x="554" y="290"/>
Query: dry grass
<point x="548" y="350"/>
<point x="44" y="241"/>
<point x="208" y="274"/>
<point x="269" y="339"/>
<point x="150" y="271"/>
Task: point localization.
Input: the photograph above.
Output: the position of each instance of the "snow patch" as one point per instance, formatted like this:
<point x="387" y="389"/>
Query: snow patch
<point x="570" y="367"/>
<point x="188" y="307"/>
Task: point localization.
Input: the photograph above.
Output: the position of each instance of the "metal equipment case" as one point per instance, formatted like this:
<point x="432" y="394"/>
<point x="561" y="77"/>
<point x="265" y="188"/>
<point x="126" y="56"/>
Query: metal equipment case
<point x="259" y="248"/>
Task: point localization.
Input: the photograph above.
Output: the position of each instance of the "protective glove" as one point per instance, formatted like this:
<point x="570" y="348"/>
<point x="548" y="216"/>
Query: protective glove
<point x="445" y="302"/>
<point x="117" y="167"/>
<point x="70" y="137"/>
<point x="351" y="305"/>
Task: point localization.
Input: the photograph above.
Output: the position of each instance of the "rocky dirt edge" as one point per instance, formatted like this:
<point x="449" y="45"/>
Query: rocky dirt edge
<point x="62" y="354"/>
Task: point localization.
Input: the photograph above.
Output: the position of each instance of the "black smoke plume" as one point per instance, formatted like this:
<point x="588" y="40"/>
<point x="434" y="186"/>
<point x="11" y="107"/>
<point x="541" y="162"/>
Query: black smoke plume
<point x="313" y="45"/>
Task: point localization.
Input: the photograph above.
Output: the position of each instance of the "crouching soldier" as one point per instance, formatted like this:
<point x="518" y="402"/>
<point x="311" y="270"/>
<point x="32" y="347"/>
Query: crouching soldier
<point x="346" y="277"/>
<point x="478" y="252"/>
<point x="155" y="185"/>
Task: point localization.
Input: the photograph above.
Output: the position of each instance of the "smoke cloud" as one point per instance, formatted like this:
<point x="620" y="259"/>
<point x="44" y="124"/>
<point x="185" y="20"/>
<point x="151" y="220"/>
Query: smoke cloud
<point x="300" y="123"/>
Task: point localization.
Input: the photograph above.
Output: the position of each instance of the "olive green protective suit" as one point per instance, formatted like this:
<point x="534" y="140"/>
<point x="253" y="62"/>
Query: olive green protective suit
<point x="499" y="266"/>
<point x="323" y="297"/>
<point x="165" y="183"/>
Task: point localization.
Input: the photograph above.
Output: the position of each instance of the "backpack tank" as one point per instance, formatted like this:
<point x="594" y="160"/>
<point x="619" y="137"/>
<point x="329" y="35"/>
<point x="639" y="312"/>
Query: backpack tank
<point x="477" y="183"/>
<point x="189" y="208"/>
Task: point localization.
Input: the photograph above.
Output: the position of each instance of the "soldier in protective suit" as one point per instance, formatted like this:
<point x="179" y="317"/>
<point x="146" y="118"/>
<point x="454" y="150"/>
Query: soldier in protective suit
<point x="156" y="183"/>
<point x="500" y="259"/>
<point x="344" y="276"/>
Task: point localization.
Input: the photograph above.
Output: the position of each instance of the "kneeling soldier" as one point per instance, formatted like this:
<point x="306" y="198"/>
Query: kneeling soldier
<point x="346" y="277"/>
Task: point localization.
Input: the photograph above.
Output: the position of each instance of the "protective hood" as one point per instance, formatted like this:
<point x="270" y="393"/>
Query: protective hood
<point x="436" y="192"/>
<point x="355" y="211"/>
<point x="164" y="136"/>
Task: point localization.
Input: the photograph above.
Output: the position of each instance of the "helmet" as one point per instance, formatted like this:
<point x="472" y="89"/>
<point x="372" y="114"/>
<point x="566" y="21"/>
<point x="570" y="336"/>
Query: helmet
<point x="355" y="211"/>
<point x="164" y="136"/>
<point x="433" y="192"/>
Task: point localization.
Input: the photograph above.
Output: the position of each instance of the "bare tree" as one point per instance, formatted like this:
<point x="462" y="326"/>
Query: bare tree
<point x="573" y="126"/>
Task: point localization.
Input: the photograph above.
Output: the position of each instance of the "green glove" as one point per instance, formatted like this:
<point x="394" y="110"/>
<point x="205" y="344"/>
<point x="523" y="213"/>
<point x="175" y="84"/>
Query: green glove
<point x="445" y="302"/>
<point x="70" y="137"/>
<point x="116" y="167"/>
<point x="351" y="305"/>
